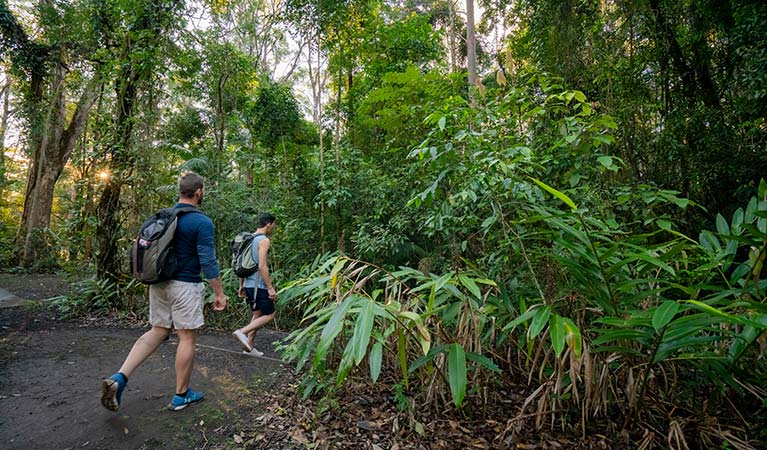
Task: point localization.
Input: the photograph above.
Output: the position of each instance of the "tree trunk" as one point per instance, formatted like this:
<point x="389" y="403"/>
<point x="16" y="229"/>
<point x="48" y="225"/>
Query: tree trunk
<point x="6" y="94"/>
<point x="452" y="41"/>
<point x="51" y="153"/>
<point x="318" y="86"/>
<point x="120" y="165"/>
<point x="471" y="47"/>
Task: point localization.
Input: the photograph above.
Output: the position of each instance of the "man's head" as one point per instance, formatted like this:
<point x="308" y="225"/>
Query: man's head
<point x="267" y="221"/>
<point x="191" y="187"/>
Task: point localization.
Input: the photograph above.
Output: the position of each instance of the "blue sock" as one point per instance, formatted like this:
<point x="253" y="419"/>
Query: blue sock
<point x="124" y="380"/>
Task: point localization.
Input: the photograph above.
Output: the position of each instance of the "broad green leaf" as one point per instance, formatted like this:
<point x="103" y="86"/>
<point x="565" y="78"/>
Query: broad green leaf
<point x="606" y="161"/>
<point x="424" y="338"/>
<point x="724" y="315"/>
<point x="376" y="355"/>
<point x="489" y="221"/>
<point x="522" y="318"/>
<point x="410" y="315"/>
<point x="346" y="364"/>
<point x="332" y="328"/>
<point x="737" y="221"/>
<point x="486" y="282"/>
<point x="557" y="333"/>
<point x="664" y="224"/>
<point x="456" y="373"/>
<point x="469" y="284"/>
<point x="362" y="329"/>
<point x="709" y="241"/>
<point x="664" y="313"/>
<point x="555" y="193"/>
<point x="540" y="320"/>
<point x="428" y="357"/>
<point x="722" y="227"/>
<point x="711" y="310"/>
<point x="573" y="336"/>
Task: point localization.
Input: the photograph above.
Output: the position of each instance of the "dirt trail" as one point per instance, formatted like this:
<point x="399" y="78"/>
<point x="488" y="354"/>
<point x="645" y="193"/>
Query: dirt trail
<point x="50" y="374"/>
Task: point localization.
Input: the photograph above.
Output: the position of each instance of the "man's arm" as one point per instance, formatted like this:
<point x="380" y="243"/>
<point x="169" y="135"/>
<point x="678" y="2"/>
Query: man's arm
<point x="263" y="267"/>
<point x="206" y="250"/>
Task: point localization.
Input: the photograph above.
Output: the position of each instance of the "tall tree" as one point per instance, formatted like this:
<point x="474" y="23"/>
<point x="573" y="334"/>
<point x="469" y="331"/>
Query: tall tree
<point x="145" y="27"/>
<point x="48" y="74"/>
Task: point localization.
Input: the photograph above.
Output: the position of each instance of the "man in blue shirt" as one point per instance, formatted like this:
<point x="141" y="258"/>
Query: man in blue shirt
<point x="177" y="303"/>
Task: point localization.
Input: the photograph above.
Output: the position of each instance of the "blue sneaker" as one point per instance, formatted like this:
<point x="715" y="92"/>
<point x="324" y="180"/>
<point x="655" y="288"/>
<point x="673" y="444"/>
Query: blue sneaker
<point x="180" y="402"/>
<point x="112" y="390"/>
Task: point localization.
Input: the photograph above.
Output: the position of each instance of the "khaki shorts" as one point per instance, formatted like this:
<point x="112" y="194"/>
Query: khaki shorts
<point x="176" y="304"/>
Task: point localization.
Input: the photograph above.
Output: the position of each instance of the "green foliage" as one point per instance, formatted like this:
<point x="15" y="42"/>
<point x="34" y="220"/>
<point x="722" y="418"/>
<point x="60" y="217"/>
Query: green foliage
<point x="572" y="283"/>
<point x="394" y="326"/>
<point x="95" y="297"/>
<point x="555" y="219"/>
<point x="273" y="115"/>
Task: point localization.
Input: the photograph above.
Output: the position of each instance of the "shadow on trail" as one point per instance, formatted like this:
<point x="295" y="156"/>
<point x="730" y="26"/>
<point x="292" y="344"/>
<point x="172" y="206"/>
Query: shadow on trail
<point x="50" y="379"/>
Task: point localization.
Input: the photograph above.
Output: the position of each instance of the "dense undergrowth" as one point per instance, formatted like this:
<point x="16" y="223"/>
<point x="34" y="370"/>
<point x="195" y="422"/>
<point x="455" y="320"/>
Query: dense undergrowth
<point x="586" y="300"/>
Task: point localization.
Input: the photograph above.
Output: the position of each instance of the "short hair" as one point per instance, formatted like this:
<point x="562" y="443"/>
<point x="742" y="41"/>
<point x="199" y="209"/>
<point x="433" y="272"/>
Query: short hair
<point x="188" y="183"/>
<point x="265" y="219"/>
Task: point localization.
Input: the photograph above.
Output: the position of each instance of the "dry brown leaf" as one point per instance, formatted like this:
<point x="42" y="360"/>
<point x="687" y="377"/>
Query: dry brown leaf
<point x="298" y="436"/>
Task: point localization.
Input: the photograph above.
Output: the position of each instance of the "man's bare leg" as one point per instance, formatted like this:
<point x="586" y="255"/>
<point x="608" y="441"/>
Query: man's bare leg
<point x="144" y="346"/>
<point x="185" y="358"/>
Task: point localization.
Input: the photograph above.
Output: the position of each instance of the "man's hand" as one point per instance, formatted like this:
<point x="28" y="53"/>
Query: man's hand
<point x="241" y="292"/>
<point x="219" y="303"/>
<point x="272" y="294"/>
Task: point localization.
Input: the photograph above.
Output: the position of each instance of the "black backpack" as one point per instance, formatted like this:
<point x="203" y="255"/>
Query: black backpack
<point x="153" y="254"/>
<point x="243" y="263"/>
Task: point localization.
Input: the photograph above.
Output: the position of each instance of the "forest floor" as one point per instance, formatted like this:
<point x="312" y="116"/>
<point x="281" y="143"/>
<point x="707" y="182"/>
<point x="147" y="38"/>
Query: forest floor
<point x="51" y="371"/>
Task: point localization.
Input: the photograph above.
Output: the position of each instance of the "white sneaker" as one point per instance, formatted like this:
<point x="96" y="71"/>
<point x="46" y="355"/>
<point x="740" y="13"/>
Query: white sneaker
<point x="253" y="352"/>
<point x="243" y="340"/>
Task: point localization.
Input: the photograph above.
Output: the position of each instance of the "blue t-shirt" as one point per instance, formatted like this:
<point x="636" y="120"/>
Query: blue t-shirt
<point x="195" y="247"/>
<point x="250" y="282"/>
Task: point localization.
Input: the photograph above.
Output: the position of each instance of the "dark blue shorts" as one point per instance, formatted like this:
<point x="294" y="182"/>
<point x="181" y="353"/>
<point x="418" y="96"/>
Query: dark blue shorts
<point x="261" y="301"/>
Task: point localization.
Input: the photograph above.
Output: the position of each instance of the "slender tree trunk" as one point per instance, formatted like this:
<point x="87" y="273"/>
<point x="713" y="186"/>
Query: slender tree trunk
<point x="317" y="88"/>
<point x="6" y="94"/>
<point x="452" y="39"/>
<point x="339" y="224"/>
<point x="120" y="166"/>
<point x="220" y="126"/>
<point x="471" y="47"/>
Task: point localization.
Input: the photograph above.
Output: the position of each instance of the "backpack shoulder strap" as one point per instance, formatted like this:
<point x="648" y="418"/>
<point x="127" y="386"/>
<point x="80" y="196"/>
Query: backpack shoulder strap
<point x="185" y="209"/>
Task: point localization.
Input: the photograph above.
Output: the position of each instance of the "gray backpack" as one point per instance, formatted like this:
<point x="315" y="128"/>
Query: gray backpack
<point x="243" y="263"/>
<point x="153" y="254"/>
